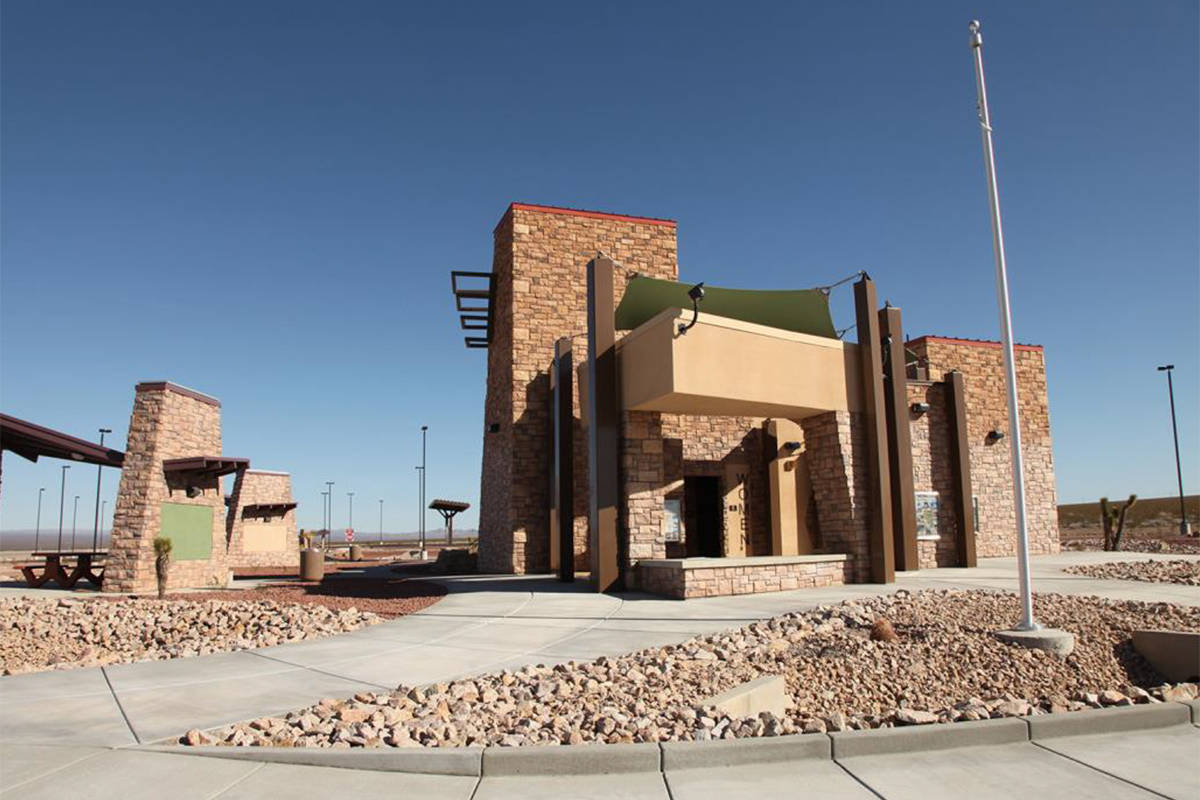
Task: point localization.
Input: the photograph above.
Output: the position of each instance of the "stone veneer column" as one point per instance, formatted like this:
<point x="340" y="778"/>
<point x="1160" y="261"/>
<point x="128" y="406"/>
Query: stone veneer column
<point x="168" y="421"/>
<point x="258" y="487"/>
<point x="837" y="448"/>
<point x="539" y="259"/>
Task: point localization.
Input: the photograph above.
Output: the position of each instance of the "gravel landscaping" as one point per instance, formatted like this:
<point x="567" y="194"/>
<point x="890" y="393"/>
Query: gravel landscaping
<point x="933" y="660"/>
<point x="1176" y="571"/>
<point x="387" y="597"/>
<point x="42" y="634"/>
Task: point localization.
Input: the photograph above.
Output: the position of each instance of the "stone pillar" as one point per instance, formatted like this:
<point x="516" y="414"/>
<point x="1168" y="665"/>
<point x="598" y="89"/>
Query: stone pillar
<point x="168" y="421"/>
<point x="262" y="538"/>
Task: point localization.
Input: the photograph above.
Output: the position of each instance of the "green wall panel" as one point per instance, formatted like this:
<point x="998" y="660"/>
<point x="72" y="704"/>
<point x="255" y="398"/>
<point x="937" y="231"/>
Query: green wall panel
<point x="190" y="530"/>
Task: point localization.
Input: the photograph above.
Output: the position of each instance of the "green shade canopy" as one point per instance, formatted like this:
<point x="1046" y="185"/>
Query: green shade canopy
<point x="799" y="310"/>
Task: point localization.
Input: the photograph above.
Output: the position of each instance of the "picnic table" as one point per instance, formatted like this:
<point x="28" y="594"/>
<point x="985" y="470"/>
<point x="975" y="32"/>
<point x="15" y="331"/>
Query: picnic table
<point x="54" y="568"/>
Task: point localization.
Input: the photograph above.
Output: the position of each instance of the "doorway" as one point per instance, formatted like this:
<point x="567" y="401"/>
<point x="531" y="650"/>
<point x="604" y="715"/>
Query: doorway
<point x="702" y="515"/>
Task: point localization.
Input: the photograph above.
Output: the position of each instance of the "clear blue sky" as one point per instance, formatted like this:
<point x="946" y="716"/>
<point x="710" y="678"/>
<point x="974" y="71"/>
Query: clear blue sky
<point x="262" y="200"/>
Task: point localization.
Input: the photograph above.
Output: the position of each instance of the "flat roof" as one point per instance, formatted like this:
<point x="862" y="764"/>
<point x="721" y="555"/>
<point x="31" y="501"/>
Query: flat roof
<point x="582" y="212"/>
<point x="30" y="441"/>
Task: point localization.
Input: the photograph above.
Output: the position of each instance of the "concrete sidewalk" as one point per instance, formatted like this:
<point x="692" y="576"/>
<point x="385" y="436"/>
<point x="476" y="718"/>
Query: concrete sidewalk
<point x="484" y="624"/>
<point x="1138" y="764"/>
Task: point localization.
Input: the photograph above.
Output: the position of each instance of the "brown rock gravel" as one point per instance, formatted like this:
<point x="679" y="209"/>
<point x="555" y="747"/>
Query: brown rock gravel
<point x="387" y="597"/>
<point x="945" y="665"/>
<point x="41" y="634"/>
<point x="1175" y="571"/>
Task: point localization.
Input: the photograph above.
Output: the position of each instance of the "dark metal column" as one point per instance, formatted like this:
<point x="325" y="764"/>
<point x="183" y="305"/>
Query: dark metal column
<point x="899" y="439"/>
<point x="604" y="421"/>
<point x="960" y="463"/>
<point x="562" y="545"/>
<point x="882" y="549"/>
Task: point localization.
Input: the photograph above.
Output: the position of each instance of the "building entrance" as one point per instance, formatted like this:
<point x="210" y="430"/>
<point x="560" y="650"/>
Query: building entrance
<point x="702" y="515"/>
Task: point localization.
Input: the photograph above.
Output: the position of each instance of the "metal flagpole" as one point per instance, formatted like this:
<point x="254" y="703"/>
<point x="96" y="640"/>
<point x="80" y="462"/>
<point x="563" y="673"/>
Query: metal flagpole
<point x="1027" y="622"/>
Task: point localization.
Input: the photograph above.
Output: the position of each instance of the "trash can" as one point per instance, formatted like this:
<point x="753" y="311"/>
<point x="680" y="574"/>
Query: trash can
<point x="312" y="565"/>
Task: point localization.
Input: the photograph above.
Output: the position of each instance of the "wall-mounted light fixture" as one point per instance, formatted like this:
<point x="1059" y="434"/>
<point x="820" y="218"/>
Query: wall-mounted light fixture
<point x="919" y="408"/>
<point x="696" y="293"/>
<point x="793" y="446"/>
<point x="994" y="436"/>
<point x="494" y="427"/>
<point x="194" y="491"/>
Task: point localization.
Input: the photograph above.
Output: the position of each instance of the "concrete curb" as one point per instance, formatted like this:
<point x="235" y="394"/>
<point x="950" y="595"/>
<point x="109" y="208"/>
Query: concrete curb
<point x="880" y="741"/>
<point x="734" y="752"/>
<point x="607" y="759"/>
<point x="583" y="759"/>
<point x="1108" y="720"/>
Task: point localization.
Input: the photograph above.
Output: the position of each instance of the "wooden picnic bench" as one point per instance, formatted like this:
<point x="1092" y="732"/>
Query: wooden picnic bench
<point x="54" y="569"/>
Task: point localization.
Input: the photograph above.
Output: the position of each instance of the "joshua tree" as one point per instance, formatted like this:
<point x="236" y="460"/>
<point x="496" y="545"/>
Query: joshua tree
<point x="162" y="562"/>
<point x="1111" y="515"/>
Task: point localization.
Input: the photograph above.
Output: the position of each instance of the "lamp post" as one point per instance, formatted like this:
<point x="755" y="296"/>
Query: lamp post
<point x="329" y="502"/>
<point x="99" y="473"/>
<point x="350" y="525"/>
<point x="62" y="497"/>
<point x="103" y="506"/>
<point x="37" y="531"/>
<point x="1027" y="631"/>
<point x="74" y="519"/>
<point x="381" y="521"/>
<point x="424" y="432"/>
<point x="1185" y="529"/>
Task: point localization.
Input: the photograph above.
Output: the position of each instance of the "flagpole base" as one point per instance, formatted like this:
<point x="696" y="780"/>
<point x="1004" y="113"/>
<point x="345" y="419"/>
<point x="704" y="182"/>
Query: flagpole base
<point x="1051" y="640"/>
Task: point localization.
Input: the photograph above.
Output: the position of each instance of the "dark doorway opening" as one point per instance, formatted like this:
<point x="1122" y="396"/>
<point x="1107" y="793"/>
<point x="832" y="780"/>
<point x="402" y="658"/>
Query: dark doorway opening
<point x="702" y="515"/>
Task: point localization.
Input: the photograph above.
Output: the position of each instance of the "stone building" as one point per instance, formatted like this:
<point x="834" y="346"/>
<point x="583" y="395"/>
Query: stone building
<point x="751" y="450"/>
<point x="171" y="486"/>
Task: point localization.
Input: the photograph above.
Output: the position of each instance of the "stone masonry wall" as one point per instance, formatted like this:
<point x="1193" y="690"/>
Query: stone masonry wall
<point x="933" y="470"/>
<point x="256" y="487"/>
<point x="982" y="366"/>
<point x="167" y="422"/>
<point x="720" y="581"/>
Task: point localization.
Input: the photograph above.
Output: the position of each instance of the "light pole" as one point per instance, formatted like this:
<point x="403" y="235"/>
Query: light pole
<point x="351" y="523"/>
<point x="62" y="497"/>
<point x="74" y="519"/>
<point x="103" y="505"/>
<point x="1185" y="529"/>
<point x="329" y="501"/>
<point x="1027" y="631"/>
<point x="37" y="531"/>
<point x="381" y="521"/>
<point x="424" y="432"/>
<point x="99" y="473"/>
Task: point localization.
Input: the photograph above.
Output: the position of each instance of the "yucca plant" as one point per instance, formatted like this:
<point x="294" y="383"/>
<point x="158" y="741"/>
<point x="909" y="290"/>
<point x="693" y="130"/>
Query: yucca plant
<point x="1112" y="517"/>
<point x="162" y="563"/>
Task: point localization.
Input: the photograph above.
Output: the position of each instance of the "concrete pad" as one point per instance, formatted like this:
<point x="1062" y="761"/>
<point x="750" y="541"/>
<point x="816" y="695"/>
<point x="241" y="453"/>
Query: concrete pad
<point x="272" y="781"/>
<point x="1051" y="640"/>
<point x="82" y="720"/>
<point x="1108" y="720"/>
<point x="582" y="759"/>
<point x="462" y="761"/>
<point x="159" y="712"/>
<point x="52" y="684"/>
<point x="1173" y="769"/>
<point x="602" y="642"/>
<point x="133" y="776"/>
<point x="749" y="699"/>
<point x="327" y="653"/>
<point x="639" y="786"/>
<point x="1174" y="654"/>
<point x="1001" y="772"/>
<point x="24" y="762"/>
<point x="926" y="738"/>
<point x="805" y="779"/>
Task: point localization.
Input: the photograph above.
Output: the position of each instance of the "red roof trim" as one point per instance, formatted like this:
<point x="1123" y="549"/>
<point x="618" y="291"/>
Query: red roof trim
<point x="975" y="342"/>
<point x="580" y="212"/>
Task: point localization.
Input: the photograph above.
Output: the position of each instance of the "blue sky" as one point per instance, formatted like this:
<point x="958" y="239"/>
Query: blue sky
<point x="263" y="201"/>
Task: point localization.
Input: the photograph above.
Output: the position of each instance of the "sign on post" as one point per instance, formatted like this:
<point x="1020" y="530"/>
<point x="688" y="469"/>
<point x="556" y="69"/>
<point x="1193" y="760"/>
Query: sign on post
<point x="349" y="534"/>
